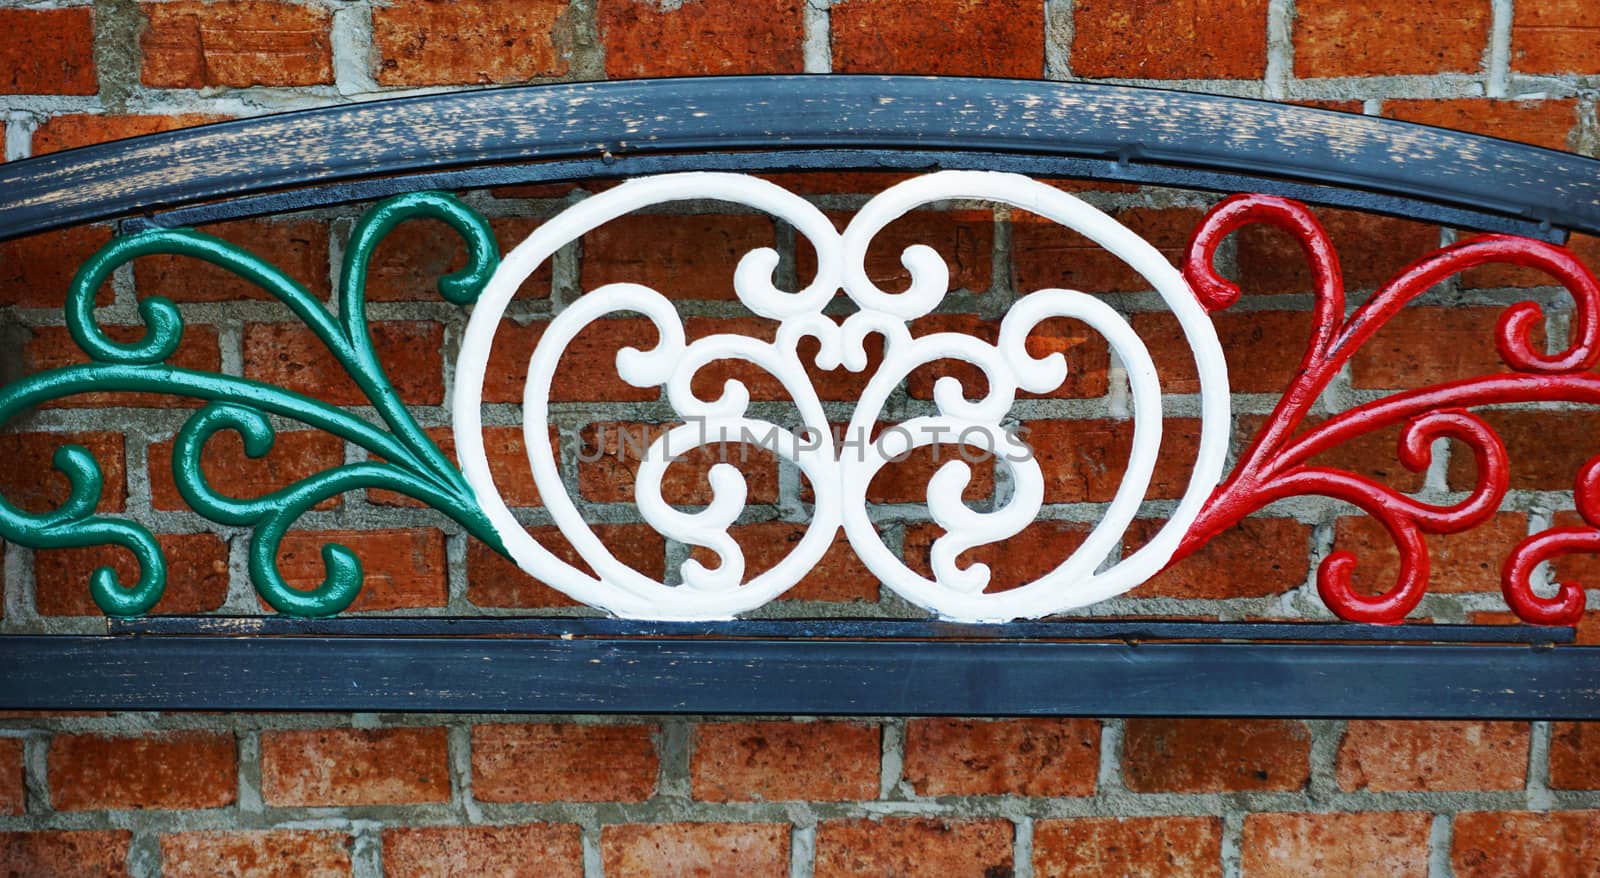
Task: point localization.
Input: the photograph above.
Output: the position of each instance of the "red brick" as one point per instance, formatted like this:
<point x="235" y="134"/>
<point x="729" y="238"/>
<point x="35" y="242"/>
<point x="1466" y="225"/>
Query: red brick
<point x="1546" y="449"/>
<point x="913" y="848"/>
<point x="964" y="240"/>
<point x="940" y="38"/>
<point x="401" y="569"/>
<point x="837" y="182"/>
<point x="320" y="767"/>
<point x="785" y="761"/>
<point x="298" y="248"/>
<point x="1263" y="349"/>
<point x="1555" y="36"/>
<point x="1022" y="757"/>
<point x="1087" y="354"/>
<point x="690" y="850"/>
<point x="483" y="851"/>
<point x="587" y="371"/>
<point x="425" y="42"/>
<point x="1539" y="122"/>
<point x="73" y="130"/>
<point x="1372" y="38"/>
<point x="159" y="770"/>
<point x="1258" y="557"/>
<point x="36" y="271"/>
<point x="508" y="465"/>
<point x="1422" y="346"/>
<point x="563" y="762"/>
<point x="1463" y="562"/>
<point x="1084" y="461"/>
<point x="295" y="455"/>
<point x="1493" y="845"/>
<point x="1132" y="847"/>
<point x="190" y="44"/>
<point x="1195" y="39"/>
<point x="1215" y="755"/>
<point x="299" y="852"/>
<point x="704" y="38"/>
<point x="494" y="581"/>
<point x="410" y="261"/>
<point x="1039" y="549"/>
<point x="52" y="347"/>
<point x="30" y="481"/>
<point x="94" y="854"/>
<point x="1586" y="248"/>
<point x="905" y="479"/>
<point x="838" y="576"/>
<point x="1372" y="455"/>
<point x="1371" y="250"/>
<point x="1393" y="755"/>
<point x="290" y="356"/>
<point x="47" y="51"/>
<point x="681" y="257"/>
<point x="1048" y="255"/>
<point x="197" y="575"/>
<point x="1575" y="756"/>
<point x="13" y="791"/>
<point x="1390" y="844"/>
<point x="613" y="451"/>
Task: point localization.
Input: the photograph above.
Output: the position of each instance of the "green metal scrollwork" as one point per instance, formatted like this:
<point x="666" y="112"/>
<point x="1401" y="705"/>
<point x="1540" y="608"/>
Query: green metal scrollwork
<point x="403" y="458"/>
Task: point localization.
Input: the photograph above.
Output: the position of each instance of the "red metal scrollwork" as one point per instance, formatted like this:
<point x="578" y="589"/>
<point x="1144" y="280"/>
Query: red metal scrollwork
<point x="1275" y="464"/>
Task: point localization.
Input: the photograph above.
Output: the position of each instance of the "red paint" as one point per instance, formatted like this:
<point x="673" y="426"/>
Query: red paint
<point x="1274" y="466"/>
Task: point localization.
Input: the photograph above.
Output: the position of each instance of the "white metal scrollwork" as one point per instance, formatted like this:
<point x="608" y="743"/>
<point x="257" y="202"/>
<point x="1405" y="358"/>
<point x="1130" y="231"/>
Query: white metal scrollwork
<point x="839" y="480"/>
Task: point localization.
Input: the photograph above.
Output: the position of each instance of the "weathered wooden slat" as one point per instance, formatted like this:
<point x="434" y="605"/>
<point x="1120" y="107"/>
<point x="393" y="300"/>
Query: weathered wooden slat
<point x="1130" y="126"/>
<point x="788" y="677"/>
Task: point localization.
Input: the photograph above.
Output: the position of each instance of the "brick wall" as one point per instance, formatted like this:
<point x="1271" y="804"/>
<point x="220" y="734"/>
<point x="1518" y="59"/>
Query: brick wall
<point x="145" y="795"/>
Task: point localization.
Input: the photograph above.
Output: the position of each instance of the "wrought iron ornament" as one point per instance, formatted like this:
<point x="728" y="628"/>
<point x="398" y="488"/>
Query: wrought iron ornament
<point x="405" y="460"/>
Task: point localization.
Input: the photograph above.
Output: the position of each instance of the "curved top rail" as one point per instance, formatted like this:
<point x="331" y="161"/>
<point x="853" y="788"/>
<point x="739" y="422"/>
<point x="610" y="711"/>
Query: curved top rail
<point x="608" y="120"/>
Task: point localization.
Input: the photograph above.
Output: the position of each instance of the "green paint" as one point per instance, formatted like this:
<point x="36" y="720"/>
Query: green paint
<point x="405" y="460"/>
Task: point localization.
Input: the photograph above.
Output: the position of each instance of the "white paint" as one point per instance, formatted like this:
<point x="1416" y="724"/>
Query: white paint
<point x="840" y="479"/>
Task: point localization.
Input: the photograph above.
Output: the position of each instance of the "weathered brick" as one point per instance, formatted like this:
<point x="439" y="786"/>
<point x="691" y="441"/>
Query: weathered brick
<point x="563" y="762"/>
<point x="30" y="481"/>
<point x="1575" y="756"/>
<point x="426" y="42"/>
<point x="1131" y="847"/>
<point x="409" y="262"/>
<point x="483" y="851"/>
<point x="1371" y="250"/>
<point x="1084" y="461"/>
<point x="1022" y="757"/>
<point x="1047" y="255"/>
<point x="197" y="575"/>
<point x="1372" y="455"/>
<point x="1540" y="122"/>
<point x="1021" y="559"/>
<point x="13" y="790"/>
<point x="298" y="248"/>
<point x="160" y="770"/>
<point x="1582" y="568"/>
<point x="704" y="38"/>
<point x="1263" y="349"/>
<point x="299" y="852"/>
<point x="47" y="51"/>
<point x="1200" y="39"/>
<point x="784" y="761"/>
<point x="1391" y="755"/>
<point x="681" y="257"/>
<point x="85" y="854"/>
<point x="913" y="848"/>
<point x="940" y="37"/>
<point x="588" y="368"/>
<point x="52" y="347"/>
<point x="190" y="44"/>
<point x="36" y="271"/>
<point x="689" y="850"/>
<point x="508" y="465"/>
<point x="964" y="240"/>
<point x="1258" y="557"/>
<point x="1391" y="844"/>
<point x="1372" y="38"/>
<point x="1215" y="755"/>
<point x="1087" y="354"/>
<point x="1490" y="844"/>
<point x="1462" y="562"/>
<point x="494" y="581"/>
<point x="320" y="767"/>
<point x="1585" y="248"/>
<point x="72" y="130"/>
<point x="1422" y="346"/>
<point x="1546" y="449"/>
<point x="295" y="455"/>
<point x="838" y="576"/>
<point x="291" y="356"/>
<point x="611" y="454"/>
<point x="401" y="569"/>
<point x="1555" y="36"/>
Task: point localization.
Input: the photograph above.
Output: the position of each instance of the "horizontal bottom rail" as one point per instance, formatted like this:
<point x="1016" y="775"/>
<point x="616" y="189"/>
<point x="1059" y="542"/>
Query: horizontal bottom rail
<point x="825" y="677"/>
